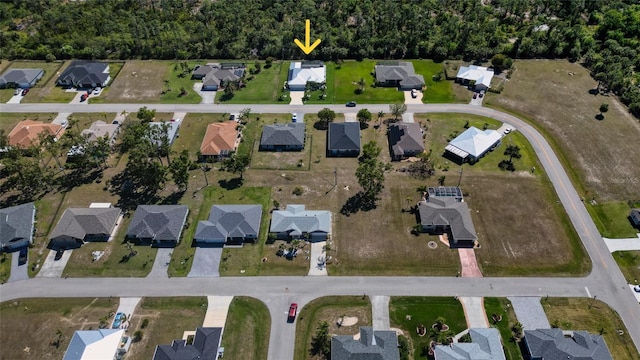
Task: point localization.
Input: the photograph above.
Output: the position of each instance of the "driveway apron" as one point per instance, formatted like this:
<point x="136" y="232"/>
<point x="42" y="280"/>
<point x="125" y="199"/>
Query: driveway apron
<point x="206" y="262"/>
<point x="161" y="263"/>
<point x="529" y="312"/>
<point x="380" y="311"/>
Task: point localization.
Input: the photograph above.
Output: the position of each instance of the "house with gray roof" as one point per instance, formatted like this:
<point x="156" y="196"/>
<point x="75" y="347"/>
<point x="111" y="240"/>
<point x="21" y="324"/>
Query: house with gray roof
<point x="158" y="225"/>
<point x="372" y="345"/>
<point x="448" y="215"/>
<point x="296" y="222"/>
<point x="20" y="78"/>
<point x="205" y="346"/>
<point x="101" y="344"/>
<point x="399" y="74"/>
<point x="168" y="129"/>
<point x="635" y="217"/>
<point x="16" y="226"/>
<point x="554" y="343"/>
<point x="85" y="75"/>
<point x="80" y="225"/>
<point x="215" y="75"/>
<point x="486" y="344"/>
<point x="230" y="224"/>
<point x="283" y="137"/>
<point x="343" y="139"/>
<point x="405" y="140"/>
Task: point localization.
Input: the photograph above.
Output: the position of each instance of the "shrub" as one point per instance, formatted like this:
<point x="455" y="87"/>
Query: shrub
<point x="297" y="191"/>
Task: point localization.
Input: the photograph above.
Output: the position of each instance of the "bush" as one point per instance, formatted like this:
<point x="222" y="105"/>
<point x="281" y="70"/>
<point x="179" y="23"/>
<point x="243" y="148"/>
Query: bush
<point x="297" y="191"/>
<point x="144" y="324"/>
<point x="138" y="335"/>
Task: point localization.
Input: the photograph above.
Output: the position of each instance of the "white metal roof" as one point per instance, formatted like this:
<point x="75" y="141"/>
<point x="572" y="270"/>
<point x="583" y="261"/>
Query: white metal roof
<point x="480" y="74"/>
<point x="473" y="141"/>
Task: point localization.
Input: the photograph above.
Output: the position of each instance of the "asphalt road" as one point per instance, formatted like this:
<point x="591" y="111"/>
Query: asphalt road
<point x="605" y="281"/>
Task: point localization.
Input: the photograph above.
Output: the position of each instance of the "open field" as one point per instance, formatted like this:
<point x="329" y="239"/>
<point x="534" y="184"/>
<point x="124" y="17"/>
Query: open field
<point x="247" y="329"/>
<point x="502" y="307"/>
<point x="265" y="88"/>
<point x="555" y="96"/>
<point x="175" y="81"/>
<point x="40" y="320"/>
<point x="329" y="309"/>
<point x="139" y="81"/>
<point x="592" y="316"/>
<point x="629" y="263"/>
<point x="612" y="219"/>
<point x="168" y="319"/>
<point x="407" y="313"/>
<point x="436" y="91"/>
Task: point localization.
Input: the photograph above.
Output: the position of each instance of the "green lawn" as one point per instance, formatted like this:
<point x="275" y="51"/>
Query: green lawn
<point x="612" y="219"/>
<point x="407" y="313"/>
<point x="629" y="263"/>
<point x="436" y="91"/>
<point x="5" y="267"/>
<point x="264" y="88"/>
<point x="192" y="131"/>
<point x="247" y="329"/>
<point x="328" y="309"/>
<point x="114" y="70"/>
<point x="502" y="307"/>
<point x="176" y="80"/>
<point x="345" y="84"/>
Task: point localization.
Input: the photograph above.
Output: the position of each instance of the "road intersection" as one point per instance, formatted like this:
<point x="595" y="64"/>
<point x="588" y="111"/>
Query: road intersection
<point x="605" y="281"/>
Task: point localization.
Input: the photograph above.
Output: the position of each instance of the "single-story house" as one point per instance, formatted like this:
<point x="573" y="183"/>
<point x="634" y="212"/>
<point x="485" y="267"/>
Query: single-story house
<point x="158" y="225"/>
<point x="296" y="222"/>
<point x="102" y="344"/>
<point x="230" y="224"/>
<point x="343" y="139"/>
<point x="405" y="140"/>
<point x="485" y="344"/>
<point x="372" y="344"/>
<point x="172" y="128"/>
<point x="85" y="75"/>
<point x="98" y="129"/>
<point x="399" y="74"/>
<point x="16" y="226"/>
<point x="635" y="217"/>
<point x="448" y="215"/>
<point x="215" y="75"/>
<point x="220" y="141"/>
<point x="479" y="74"/>
<point x="20" y="78"/>
<point x="80" y="225"/>
<point x="205" y="346"/>
<point x="279" y="137"/>
<point x="27" y="132"/>
<point x="302" y="72"/>
<point x="555" y="343"/>
<point x="473" y="144"/>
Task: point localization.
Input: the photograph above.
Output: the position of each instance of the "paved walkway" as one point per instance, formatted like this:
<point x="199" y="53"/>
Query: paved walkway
<point x="206" y="262"/>
<point x="161" y="263"/>
<point x="469" y="263"/>
<point x="52" y="268"/>
<point x="474" y="312"/>
<point x="18" y="272"/>
<point x="296" y="97"/>
<point x="127" y="306"/>
<point x="216" y="315"/>
<point x="623" y="244"/>
<point x="350" y="117"/>
<point x="317" y="259"/>
<point x="380" y="312"/>
<point x="529" y="312"/>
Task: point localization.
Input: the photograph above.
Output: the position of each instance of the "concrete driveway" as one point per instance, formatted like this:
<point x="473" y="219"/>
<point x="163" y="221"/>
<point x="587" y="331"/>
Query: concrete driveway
<point x="529" y="312"/>
<point x="407" y="117"/>
<point x="380" y="312"/>
<point x="296" y="97"/>
<point x="474" y="312"/>
<point x="15" y="99"/>
<point x="477" y="101"/>
<point x="18" y="272"/>
<point x="350" y="117"/>
<point x="60" y="118"/>
<point x="76" y="99"/>
<point x="161" y="263"/>
<point x="206" y="262"/>
<point x="410" y="100"/>
<point x="127" y="306"/>
<point x="317" y="252"/>
<point x="217" y="310"/>
<point x="52" y="268"/>
<point x="208" y="97"/>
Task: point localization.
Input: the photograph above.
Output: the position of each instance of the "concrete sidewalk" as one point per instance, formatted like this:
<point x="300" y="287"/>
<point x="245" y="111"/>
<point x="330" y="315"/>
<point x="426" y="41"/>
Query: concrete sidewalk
<point x="217" y="310"/>
<point x="380" y="312"/>
<point x="622" y="244"/>
<point x="474" y="312"/>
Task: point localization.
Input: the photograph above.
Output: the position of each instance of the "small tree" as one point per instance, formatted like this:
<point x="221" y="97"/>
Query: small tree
<point x="146" y="114"/>
<point x="364" y="116"/>
<point x="321" y="341"/>
<point x="325" y="116"/>
<point x="138" y="335"/>
<point x="441" y="180"/>
<point x="236" y="164"/>
<point x="244" y="114"/>
<point x="512" y="151"/>
<point x="604" y="107"/>
<point x="397" y="110"/>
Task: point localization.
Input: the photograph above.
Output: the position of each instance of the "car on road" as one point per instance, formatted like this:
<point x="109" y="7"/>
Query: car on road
<point x="293" y="311"/>
<point x="507" y="130"/>
<point x="24" y="92"/>
<point x="22" y="257"/>
<point x="59" y="254"/>
<point x="351" y="104"/>
<point x="414" y="93"/>
<point x="636" y="288"/>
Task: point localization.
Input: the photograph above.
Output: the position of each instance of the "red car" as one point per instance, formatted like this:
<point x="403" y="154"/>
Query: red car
<point x="293" y="311"/>
<point x="24" y="92"/>
<point x="475" y="95"/>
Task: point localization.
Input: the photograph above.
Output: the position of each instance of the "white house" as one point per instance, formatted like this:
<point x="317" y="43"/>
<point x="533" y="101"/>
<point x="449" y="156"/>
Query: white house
<point x="103" y="344"/>
<point x="480" y="74"/>
<point x="300" y="73"/>
<point x="473" y="143"/>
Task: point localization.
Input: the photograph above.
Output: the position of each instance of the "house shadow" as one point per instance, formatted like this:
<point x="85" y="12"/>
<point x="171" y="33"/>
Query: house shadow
<point x="358" y="202"/>
<point x="231" y="184"/>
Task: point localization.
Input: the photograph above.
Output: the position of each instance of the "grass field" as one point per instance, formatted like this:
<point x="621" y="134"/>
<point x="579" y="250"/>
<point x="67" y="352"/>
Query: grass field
<point x="247" y="329"/>
<point x="282" y="160"/>
<point x="554" y="95"/>
<point x="40" y="320"/>
<point x="436" y="91"/>
<point x="595" y="317"/>
<point x="176" y="80"/>
<point x="329" y="309"/>
<point x="407" y="313"/>
<point x="612" y="219"/>
<point x="139" y="81"/>
<point x="502" y="307"/>
<point x="168" y="319"/>
<point x="5" y="267"/>
<point x="265" y="88"/>
<point x="192" y="131"/>
<point x="629" y="263"/>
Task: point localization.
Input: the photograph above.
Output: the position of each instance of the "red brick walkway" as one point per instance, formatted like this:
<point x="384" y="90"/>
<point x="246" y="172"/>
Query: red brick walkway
<point x="469" y="264"/>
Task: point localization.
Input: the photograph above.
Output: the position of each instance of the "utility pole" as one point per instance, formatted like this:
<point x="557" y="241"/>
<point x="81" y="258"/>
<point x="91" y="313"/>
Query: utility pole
<point x="592" y="301"/>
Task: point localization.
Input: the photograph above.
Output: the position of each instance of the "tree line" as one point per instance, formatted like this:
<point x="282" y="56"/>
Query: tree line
<point x="602" y="33"/>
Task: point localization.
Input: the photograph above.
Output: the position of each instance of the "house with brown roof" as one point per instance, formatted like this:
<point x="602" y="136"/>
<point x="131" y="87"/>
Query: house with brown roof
<point x="220" y="141"/>
<point x="27" y="132"/>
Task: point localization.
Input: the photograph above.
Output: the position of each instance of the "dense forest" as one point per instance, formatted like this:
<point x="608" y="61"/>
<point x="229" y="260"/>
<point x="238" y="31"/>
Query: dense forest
<point x="605" y="35"/>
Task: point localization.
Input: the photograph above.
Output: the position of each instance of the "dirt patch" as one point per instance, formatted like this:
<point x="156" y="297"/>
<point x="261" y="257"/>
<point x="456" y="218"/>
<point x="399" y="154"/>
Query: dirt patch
<point x="347" y="320"/>
<point x="139" y="81"/>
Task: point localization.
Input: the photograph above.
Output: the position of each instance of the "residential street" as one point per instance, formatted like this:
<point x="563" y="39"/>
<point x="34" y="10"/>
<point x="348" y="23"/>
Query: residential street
<point x="605" y="281"/>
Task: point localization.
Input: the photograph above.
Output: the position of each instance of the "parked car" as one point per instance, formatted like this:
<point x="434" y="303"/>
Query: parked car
<point x="636" y="288"/>
<point x="96" y="91"/>
<point x="351" y="104"/>
<point x="118" y="320"/>
<point x="24" y="92"/>
<point x="22" y="258"/>
<point x="507" y="130"/>
<point x="59" y="254"/>
<point x="481" y="93"/>
<point x="414" y="93"/>
<point x="83" y="97"/>
<point x="294" y="117"/>
<point x="475" y="96"/>
<point x="293" y="311"/>
<point x="17" y="92"/>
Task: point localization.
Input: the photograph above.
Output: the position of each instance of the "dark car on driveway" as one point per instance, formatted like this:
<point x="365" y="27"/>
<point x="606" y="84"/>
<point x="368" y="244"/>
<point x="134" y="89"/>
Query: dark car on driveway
<point x="351" y="104"/>
<point x="24" y="92"/>
<point x="22" y="258"/>
<point x="59" y="254"/>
